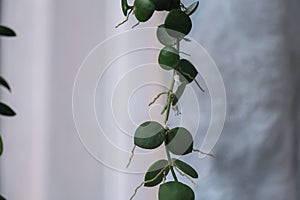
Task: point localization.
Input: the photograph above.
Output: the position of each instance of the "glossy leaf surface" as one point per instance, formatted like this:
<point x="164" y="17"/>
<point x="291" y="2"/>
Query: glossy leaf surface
<point x="163" y="36"/>
<point x="179" y="141"/>
<point x="179" y="22"/>
<point x="125" y="7"/>
<point x="187" y="71"/>
<point x="149" y="135"/>
<point x="168" y="58"/>
<point x="175" y="191"/>
<point x="143" y="9"/>
<point x="186" y="168"/>
<point x="154" y="170"/>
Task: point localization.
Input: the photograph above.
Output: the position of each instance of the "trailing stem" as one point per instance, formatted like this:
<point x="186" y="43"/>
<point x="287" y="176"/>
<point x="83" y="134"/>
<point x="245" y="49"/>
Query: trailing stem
<point x="149" y="181"/>
<point x="201" y="152"/>
<point x="131" y="157"/>
<point x="169" y="104"/>
<point x="127" y="18"/>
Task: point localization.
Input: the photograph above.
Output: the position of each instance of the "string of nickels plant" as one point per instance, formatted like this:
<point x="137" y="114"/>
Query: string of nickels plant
<point x="151" y="134"/>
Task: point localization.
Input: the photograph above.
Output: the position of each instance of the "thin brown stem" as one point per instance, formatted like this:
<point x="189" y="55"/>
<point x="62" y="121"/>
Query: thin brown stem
<point x="135" y="25"/>
<point x="131" y="157"/>
<point x="186" y="176"/>
<point x="157" y="97"/>
<point x="149" y="181"/>
<point x="127" y="18"/>
<point x="201" y="152"/>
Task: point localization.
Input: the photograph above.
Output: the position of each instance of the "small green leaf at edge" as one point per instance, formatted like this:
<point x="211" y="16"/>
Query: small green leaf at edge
<point x="125" y="7"/>
<point x="175" y="191"/>
<point x="1" y="148"/>
<point x="186" y="168"/>
<point x="5" y="31"/>
<point x="179" y="141"/>
<point x="4" y="83"/>
<point x="187" y="71"/>
<point x="163" y="36"/>
<point x="192" y="8"/>
<point x="2" y="198"/>
<point x="6" y="110"/>
<point x="179" y="93"/>
<point x="154" y="170"/>
<point x="151" y="138"/>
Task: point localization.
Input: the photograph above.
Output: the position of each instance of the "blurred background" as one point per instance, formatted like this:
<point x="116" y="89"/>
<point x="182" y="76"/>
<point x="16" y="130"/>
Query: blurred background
<point x="256" y="47"/>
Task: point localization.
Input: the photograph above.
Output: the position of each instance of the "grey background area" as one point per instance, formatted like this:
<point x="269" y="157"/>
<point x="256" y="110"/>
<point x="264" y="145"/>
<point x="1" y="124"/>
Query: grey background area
<point x="256" y="47"/>
<point x="255" y="44"/>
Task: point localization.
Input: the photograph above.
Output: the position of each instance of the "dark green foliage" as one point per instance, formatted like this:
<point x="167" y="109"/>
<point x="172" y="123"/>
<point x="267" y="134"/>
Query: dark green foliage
<point x="179" y="22"/>
<point x="2" y="198"/>
<point x="149" y="135"/>
<point x="175" y="191"/>
<point x="186" y="168"/>
<point x="160" y="167"/>
<point x="4" y="83"/>
<point x="168" y="58"/>
<point x="179" y="141"/>
<point x="187" y="71"/>
<point x="125" y="7"/>
<point x="5" y="31"/>
<point x="143" y="9"/>
<point x="163" y="36"/>
<point x="6" y="110"/>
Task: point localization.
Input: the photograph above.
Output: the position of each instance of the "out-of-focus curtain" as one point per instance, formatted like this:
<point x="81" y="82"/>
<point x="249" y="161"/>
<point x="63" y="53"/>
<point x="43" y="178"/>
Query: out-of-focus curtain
<point x="256" y="47"/>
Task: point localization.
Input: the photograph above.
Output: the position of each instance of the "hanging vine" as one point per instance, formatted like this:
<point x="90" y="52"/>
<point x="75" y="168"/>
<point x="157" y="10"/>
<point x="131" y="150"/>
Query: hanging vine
<point x="151" y="135"/>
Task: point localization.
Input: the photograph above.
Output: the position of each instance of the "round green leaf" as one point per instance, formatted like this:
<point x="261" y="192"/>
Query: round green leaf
<point x="149" y="135"/>
<point x="186" y="168"/>
<point x="179" y="141"/>
<point x="178" y="23"/>
<point x="163" y="36"/>
<point x="168" y="58"/>
<point x="4" y="83"/>
<point x="187" y="71"/>
<point x="6" y="110"/>
<point x="192" y="8"/>
<point x="175" y="191"/>
<point x="143" y="9"/>
<point x="1" y="146"/>
<point x="161" y="4"/>
<point x="154" y="170"/>
<point x="179" y="93"/>
<point x="173" y="4"/>
<point x="5" y="31"/>
<point x="2" y="198"/>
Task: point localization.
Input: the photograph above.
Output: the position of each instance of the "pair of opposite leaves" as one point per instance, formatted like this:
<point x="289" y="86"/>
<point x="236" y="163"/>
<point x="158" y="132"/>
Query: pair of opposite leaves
<point x="179" y="141"/>
<point x="177" y="21"/>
